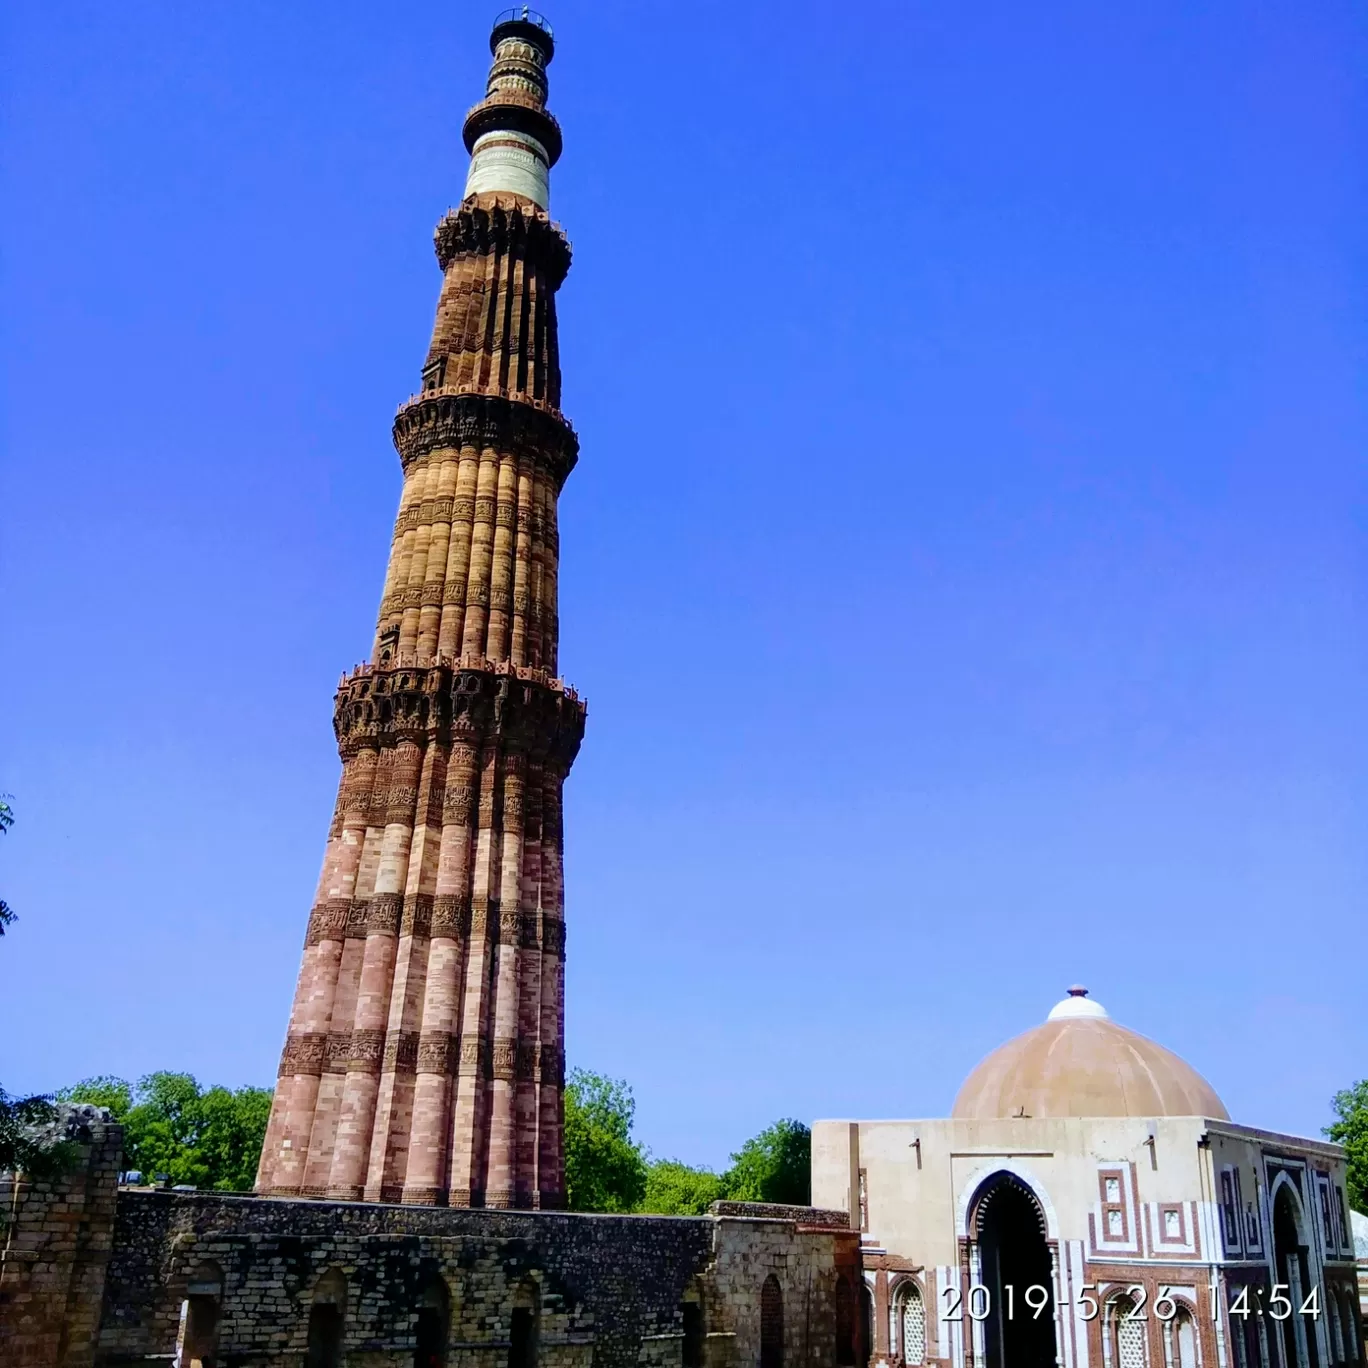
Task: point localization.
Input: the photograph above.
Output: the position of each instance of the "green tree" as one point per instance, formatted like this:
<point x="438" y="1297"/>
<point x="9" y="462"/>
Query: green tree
<point x="774" y="1166"/>
<point x="26" y="1144"/>
<point x="7" y="913"/>
<point x="102" y="1091"/>
<point x="605" y="1169"/>
<point x="1351" y="1131"/>
<point x="675" y="1189"/>
<point x="207" y="1138"/>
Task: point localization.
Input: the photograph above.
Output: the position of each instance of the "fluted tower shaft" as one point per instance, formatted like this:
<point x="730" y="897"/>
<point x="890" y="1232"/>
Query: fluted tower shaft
<point x="425" y="1055"/>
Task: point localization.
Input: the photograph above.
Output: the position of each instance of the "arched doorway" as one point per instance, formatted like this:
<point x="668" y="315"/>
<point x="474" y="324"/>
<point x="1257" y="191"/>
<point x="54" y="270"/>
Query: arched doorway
<point x="1013" y="1257"/>
<point x="1298" y="1338"/>
<point x="771" y="1324"/>
<point x="200" y="1317"/>
<point x="524" y="1343"/>
<point x="327" y="1321"/>
<point x="695" y="1330"/>
<point x="430" y="1334"/>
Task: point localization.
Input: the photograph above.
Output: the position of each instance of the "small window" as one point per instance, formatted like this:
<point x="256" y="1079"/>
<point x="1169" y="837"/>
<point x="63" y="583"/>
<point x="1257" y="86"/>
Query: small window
<point x="434" y="374"/>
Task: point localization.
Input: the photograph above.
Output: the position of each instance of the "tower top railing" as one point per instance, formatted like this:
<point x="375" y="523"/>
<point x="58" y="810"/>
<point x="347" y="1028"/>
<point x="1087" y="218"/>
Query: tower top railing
<point x="521" y="14"/>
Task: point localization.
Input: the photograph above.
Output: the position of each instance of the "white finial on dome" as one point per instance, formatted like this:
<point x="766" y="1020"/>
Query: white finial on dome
<point x="1077" y="1004"/>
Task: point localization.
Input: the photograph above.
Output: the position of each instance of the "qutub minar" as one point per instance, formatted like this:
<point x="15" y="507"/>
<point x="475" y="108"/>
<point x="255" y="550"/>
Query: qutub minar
<point x="425" y="1056"/>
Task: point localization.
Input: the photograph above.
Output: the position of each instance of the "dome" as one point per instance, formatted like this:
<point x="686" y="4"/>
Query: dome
<point x="1079" y="1062"/>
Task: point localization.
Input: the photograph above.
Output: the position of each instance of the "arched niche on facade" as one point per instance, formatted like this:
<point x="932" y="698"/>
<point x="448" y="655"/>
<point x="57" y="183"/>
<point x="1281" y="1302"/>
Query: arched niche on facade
<point x="327" y="1321"/>
<point x="694" y="1325"/>
<point x="200" y="1316"/>
<point x="907" y="1336"/>
<point x="524" y="1340"/>
<point x="846" y="1312"/>
<point x="1010" y="1257"/>
<point x="1293" y="1267"/>
<point x="771" y="1323"/>
<point x="432" y="1327"/>
<point x="1184" y="1350"/>
<point x="1124" y="1342"/>
<point x="1349" y="1326"/>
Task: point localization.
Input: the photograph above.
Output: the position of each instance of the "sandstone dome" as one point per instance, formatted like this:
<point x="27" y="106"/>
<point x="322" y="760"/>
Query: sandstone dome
<point x="1079" y="1062"/>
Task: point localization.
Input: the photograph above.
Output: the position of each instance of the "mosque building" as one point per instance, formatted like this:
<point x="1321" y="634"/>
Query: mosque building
<point x="1089" y="1203"/>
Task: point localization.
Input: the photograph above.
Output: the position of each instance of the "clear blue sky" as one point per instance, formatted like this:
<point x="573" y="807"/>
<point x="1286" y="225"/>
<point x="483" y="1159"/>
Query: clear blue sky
<point x="965" y="566"/>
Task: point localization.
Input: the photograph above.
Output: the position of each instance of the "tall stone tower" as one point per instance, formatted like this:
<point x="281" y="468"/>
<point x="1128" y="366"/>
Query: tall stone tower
<point x="424" y="1061"/>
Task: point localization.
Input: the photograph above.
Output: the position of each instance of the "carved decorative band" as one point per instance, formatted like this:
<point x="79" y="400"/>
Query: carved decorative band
<point x="475" y="1058"/>
<point x="451" y="916"/>
<point x="446" y="420"/>
<point x="505" y="1060"/>
<point x="437" y="1053"/>
<point x="553" y="936"/>
<point x="527" y="931"/>
<point x="424" y="1196"/>
<point x="339" y="1052"/>
<point x="367" y="1051"/>
<point x="417" y="915"/>
<point x="386" y="911"/>
<point x="386" y="707"/>
<point x="479" y="229"/>
<point x="328" y="921"/>
<point x="510" y="927"/>
<point x="549" y="1064"/>
<point x="358" y="914"/>
<point x="401" y="1052"/>
<point x="305" y="1052"/>
<point x="526" y="1061"/>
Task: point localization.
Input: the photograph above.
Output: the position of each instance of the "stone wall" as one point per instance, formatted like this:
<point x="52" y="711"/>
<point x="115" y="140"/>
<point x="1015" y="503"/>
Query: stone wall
<point x="94" y="1276"/>
<point x="55" y="1238"/>
<point x="607" y="1290"/>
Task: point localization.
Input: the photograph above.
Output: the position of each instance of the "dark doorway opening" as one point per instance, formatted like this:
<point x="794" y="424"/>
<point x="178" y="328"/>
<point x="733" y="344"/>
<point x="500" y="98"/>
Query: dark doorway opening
<point x="771" y="1324"/>
<point x="1014" y="1257"/>
<point x="1289" y="1257"/>
<point x="430" y="1337"/>
<point x="524" y="1341"/>
<point x="325" y="1335"/>
<point x="693" y="1335"/>
<point x="845" y="1322"/>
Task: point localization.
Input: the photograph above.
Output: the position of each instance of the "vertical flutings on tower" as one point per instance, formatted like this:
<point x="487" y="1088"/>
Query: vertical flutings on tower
<point x="425" y="1056"/>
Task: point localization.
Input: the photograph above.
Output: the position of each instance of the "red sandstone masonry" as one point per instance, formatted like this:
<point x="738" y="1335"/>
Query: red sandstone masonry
<point x="425" y="1055"/>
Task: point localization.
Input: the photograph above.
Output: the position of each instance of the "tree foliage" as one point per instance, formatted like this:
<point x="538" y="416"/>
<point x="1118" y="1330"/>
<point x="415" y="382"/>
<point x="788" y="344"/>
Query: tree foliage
<point x="605" y="1169"/>
<point x="7" y="914"/>
<point x="675" y="1189"/>
<point x="209" y="1138"/>
<point x="1351" y="1131"/>
<point x="774" y="1166"/>
<point x="27" y="1143"/>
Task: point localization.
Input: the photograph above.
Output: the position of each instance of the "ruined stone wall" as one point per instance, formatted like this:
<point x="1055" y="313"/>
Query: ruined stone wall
<point x="606" y="1289"/>
<point x="55" y="1237"/>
